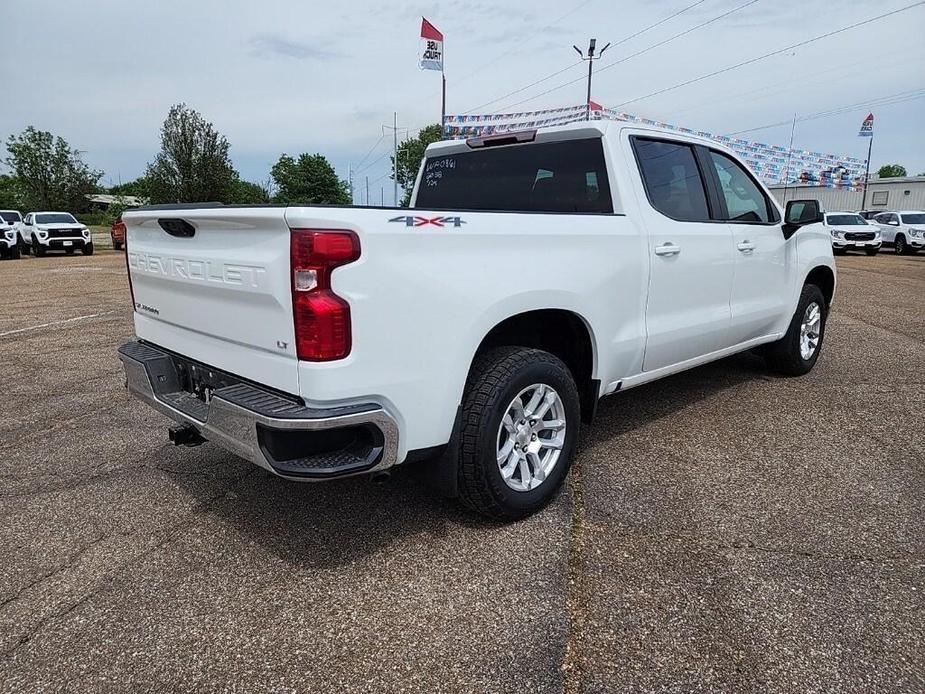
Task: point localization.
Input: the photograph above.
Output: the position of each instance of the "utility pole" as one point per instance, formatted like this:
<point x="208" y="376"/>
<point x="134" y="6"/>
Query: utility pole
<point x="350" y="182"/>
<point x="394" y="129"/>
<point x="590" y="58"/>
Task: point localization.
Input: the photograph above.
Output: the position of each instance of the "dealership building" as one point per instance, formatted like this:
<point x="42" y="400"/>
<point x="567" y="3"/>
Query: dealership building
<point x="906" y="193"/>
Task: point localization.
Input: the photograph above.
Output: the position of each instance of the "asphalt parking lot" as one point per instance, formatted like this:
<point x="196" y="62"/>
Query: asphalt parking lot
<point x="724" y="530"/>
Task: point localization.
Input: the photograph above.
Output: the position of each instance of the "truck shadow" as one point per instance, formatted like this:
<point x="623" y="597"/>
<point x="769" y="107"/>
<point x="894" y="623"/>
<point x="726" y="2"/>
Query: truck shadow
<point x="340" y="522"/>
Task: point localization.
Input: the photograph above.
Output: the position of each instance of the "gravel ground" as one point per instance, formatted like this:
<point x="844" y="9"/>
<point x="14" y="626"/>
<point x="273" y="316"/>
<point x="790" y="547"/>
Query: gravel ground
<point x="724" y="530"/>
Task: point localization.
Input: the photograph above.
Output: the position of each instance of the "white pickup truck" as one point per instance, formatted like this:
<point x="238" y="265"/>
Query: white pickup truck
<point x="534" y="273"/>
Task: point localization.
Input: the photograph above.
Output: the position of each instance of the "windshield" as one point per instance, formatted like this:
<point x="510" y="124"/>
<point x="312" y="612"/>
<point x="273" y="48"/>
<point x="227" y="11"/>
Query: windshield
<point x="10" y="216"/>
<point x="917" y="218"/>
<point x="846" y="220"/>
<point x="55" y="218"/>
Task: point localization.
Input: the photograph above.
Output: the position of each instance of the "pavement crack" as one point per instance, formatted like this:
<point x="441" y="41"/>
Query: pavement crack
<point x="576" y="598"/>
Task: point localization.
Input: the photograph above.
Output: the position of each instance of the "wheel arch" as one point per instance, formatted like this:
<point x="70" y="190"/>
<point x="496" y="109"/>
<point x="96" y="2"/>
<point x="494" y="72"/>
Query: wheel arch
<point x="823" y="277"/>
<point x="561" y="332"/>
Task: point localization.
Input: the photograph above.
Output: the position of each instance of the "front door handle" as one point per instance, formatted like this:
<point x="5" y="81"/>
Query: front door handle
<point x="746" y="246"/>
<point x="667" y="249"/>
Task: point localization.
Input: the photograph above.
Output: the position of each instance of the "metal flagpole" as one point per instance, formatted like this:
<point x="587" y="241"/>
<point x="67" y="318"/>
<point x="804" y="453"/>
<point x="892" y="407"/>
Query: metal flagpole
<point x="443" y="98"/>
<point x="395" y="153"/>
<point x="793" y="127"/>
<point x="870" y="146"/>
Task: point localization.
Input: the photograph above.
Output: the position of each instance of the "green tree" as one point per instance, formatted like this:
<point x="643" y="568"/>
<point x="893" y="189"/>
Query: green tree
<point x="193" y="164"/>
<point x="9" y="193"/>
<point x="410" y="154"/>
<point x="49" y="174"/>
<point x="891" y="171"/>
<point x="249" y="193"/>
<point x="137" y="188"/>
<point x="308" y="179"/>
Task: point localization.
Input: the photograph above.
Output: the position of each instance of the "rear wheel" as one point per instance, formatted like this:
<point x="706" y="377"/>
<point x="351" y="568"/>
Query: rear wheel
<point x="518" y="431"/>
<point x="87" y="249"/>
<point x="900" y="245"/>
<point x="796" y="352"/>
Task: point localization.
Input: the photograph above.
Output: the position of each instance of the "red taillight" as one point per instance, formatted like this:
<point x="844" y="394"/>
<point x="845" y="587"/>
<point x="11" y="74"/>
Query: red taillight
<point x="321" y="318"/>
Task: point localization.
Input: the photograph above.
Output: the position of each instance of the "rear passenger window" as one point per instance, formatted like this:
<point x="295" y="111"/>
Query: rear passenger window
<point x="672" y="179"/>
<point x="568" y="176"/>
<point x="744" y="200"/>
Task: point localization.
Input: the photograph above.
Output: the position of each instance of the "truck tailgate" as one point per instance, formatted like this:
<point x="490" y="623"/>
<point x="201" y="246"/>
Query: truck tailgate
<point x="213" y="284"/>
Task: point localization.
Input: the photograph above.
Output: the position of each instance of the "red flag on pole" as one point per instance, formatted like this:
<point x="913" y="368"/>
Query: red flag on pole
<point x="431" y="47"/>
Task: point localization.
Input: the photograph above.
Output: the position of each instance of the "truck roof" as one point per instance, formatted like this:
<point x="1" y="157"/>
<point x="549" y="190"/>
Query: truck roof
<point x="572" y="131"/>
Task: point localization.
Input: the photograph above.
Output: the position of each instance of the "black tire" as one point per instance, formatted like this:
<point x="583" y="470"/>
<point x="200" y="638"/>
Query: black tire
<point x="117" y="245"/>
<point x="14" y="252"/>
<point x="38" y="250"/>
<point x="24" y="248"/>
<point x="900" y="245"/>
<point x="497" y="376"/>
<point x="872" y="251"/>
<point x="784" y="355"/>
<point x="87" y="249"/>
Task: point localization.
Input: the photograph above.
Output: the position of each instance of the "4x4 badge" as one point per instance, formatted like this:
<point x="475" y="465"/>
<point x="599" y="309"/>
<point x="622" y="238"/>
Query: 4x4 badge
<point x="413" y="221"/>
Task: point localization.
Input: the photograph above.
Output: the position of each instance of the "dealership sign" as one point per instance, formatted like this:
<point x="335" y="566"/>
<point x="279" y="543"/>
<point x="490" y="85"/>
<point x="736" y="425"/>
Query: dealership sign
<point x="431" y="47"/>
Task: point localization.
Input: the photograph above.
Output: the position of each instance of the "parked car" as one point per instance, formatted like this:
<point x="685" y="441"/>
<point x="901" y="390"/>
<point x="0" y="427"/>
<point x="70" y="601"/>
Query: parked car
<point x="905" y="231"/>
<point x="45" y="231"/>
<point x="850" y="231"/>
<point x="534" y="273"/>
<point x="9" y="233"/>
<point x="117" y="234"/>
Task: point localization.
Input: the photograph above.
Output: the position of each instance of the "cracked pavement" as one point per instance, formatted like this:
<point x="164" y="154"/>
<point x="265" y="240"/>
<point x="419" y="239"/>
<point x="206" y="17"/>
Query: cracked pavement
<point x="723" y="530"/>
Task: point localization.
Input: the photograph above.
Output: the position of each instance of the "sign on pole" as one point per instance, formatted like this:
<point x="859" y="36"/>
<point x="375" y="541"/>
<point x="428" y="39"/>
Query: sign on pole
<point x="431" y="47"/>
<point x="867" y="127"/>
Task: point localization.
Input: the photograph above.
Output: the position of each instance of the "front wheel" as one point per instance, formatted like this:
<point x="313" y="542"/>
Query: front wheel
<point x="38" y="250"/>
<point x="518" y="431"/>
<point x="23" y="247"/>
<point x="87" y="249"/>
<point x="14" y="251"/>
<point x="796" y="352"/>
<point x="900" y="245"/>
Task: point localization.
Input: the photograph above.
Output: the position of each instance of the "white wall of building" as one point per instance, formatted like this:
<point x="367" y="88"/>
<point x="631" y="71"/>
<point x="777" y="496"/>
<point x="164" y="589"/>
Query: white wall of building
<point x="894" y="194"/>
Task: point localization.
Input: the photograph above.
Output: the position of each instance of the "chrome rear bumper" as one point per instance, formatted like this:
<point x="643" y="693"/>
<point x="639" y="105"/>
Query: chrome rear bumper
<point x="271" y="430"/>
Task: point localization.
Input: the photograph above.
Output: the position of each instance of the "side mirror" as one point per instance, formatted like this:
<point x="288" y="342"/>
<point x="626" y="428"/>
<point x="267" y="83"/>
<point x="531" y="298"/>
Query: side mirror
<point x="800" y="213"/>
<point x="893" y="223"/>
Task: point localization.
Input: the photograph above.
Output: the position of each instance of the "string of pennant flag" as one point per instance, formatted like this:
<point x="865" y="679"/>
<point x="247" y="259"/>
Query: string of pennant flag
<point x="774" y="164"/>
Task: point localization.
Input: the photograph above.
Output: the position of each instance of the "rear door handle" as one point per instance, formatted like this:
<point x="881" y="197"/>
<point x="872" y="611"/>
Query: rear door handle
<point x="667" y="249"/>
<point x="746" y="246"/>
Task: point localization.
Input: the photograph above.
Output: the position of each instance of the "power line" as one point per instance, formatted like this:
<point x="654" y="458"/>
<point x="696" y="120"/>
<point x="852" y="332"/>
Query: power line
<point x="898" y="98"/>
<point x="552" y="24"/>
<point x="641" y="51"/>
<point x="771" y="54"/>
<point x="366" y="156"/>
<point x="566" y="69"/>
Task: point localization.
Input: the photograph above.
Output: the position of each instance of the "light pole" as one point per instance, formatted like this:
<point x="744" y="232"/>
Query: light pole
<point x="590" y="58"/>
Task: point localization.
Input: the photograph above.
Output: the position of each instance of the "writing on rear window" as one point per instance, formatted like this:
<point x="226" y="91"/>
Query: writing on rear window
<point x="568" y="176"/>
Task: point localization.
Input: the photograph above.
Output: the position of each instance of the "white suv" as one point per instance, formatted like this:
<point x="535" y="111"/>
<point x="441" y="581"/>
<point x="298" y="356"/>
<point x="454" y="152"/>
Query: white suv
<point x="9" y="233"/>
<point x="45" y="231"/>
<point x="905" y="230"/>
<point x="850" y="231"/>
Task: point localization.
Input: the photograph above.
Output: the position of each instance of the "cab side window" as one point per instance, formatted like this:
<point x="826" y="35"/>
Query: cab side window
<point x="745" y="201"/>
<point x="672" y="179"/>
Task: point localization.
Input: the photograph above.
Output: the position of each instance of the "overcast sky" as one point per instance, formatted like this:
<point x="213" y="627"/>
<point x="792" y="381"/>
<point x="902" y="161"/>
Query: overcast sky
<point x="291" y="76"/>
